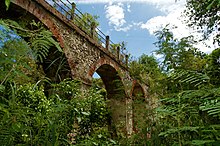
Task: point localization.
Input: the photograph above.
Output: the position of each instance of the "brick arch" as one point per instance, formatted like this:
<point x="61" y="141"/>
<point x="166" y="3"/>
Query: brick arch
<point x="116" y="92"/>
<point x="138" y="87"/>
<point x="20" y="7"/>
<point x="107" y="70"/>
<point x="99" y="63"/>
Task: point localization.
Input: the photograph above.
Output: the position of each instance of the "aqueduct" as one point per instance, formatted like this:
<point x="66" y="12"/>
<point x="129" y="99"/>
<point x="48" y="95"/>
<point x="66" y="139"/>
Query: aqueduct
<point x="86" y="52"/>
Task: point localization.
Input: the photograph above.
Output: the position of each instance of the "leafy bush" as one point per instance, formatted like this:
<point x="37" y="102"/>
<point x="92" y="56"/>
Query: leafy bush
<point x="29" y="117"/>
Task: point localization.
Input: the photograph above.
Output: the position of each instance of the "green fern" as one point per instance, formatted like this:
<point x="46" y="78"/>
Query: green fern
<point x="189" y="77"/>
<point x="194" y="115"/>
<point x="40" y="40"/>
<point x="212" y="104"/>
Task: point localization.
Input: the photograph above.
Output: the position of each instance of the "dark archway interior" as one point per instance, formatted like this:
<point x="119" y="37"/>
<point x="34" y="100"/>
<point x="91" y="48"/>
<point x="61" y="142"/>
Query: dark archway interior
<point x="139" y="107"/>
<point x="116" y="98"/>
<point x="112" y="82"/>
<point x="138" y="92"/>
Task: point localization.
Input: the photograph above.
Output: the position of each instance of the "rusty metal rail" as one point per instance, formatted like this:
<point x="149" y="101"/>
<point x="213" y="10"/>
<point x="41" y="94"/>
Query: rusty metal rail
<point x="81" y="20"/>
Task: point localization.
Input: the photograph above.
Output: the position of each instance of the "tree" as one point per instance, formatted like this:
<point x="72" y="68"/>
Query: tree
<point x="143" y="68"/>
<point x="213" y="69"/>
<point x="16" y="60"/>
<point x="204" y="15"/>
<point x="178" y="54"/>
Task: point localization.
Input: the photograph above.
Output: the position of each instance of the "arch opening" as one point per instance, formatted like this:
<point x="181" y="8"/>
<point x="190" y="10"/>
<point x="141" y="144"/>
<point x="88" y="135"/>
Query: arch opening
<point x="112" y="82"/>
<point x="116" y="97"/>
<point x="139" y="107"/>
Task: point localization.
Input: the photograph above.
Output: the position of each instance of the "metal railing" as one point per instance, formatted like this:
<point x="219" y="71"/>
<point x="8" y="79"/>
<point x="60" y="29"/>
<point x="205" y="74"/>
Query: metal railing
<point x="88" y="26"/>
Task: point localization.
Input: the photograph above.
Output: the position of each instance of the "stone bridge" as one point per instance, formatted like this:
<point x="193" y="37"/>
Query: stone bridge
<point x="86" y="52"/>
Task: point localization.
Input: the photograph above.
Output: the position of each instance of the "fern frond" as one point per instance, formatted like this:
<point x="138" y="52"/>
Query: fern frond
<point x="40" y="40"/>
<point x="189" y="77"/>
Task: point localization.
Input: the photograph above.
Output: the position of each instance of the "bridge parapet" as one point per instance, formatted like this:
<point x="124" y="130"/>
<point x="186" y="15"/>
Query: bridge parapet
<point x="89" y="27"/>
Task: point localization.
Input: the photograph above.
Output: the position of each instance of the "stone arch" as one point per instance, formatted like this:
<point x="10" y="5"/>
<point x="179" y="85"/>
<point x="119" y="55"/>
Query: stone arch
<point x="84" y="54"/>
<point x="116" y="94"/>
<point x="139" y="97"/>
<point x="110" y="75"/>
<point x="138" y="90"/>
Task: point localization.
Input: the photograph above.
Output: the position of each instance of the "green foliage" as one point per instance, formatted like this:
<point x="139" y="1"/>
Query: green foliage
<point x="7" y="3"/>
<point x="147" y="71"/>
<point x="40" y="44"/>
<point x="87" y="22"/>
<point x="14" y="60"/>
<point x="177" y="53"/>
<point x="188" y="110"/>
<point x="183" y="118"/>
<point x="17" y="59"/>
<point x="213" y="69"/>
<point x="211" y="104"/>
<point x="122" y="49"/>
<point x="40" y="40"/>
<point x="99" y="138"/>
<point x="186" y="80"/>
<point x="67" y="116"/>
<point x="28" y="117"/>
<point x="204" y="15"/>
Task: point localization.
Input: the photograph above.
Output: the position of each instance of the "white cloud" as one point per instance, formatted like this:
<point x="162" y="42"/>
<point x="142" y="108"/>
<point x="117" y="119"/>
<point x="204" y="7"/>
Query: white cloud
<point x="136" y="1"/>
<point x="128" y="7"/>
<point x="125" y="29"/>
<point x="173" y="18"/>
<point x="179" y="29"/>
<point x="115" y="14"/>
<point x="116" y="17"/>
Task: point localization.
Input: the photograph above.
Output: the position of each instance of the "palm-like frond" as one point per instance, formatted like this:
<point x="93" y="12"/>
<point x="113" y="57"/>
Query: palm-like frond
<point x="189" y="77"/>
<point x="40" y="39"/>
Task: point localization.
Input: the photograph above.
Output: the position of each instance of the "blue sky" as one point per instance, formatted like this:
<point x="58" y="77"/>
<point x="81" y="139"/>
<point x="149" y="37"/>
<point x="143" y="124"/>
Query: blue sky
<point x="6" y="34"/>
<point x="138" y="41"/>
<point x="135" y="21"/>
<point x="125" y="28"/>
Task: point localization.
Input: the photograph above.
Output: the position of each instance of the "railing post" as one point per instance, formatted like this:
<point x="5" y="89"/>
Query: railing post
<point x="118" y="52"/>
<point x="93" y="26"/>
<point x="72" y="12"/>
<point x="126" y="59"/>
<point x="107" y="42"/>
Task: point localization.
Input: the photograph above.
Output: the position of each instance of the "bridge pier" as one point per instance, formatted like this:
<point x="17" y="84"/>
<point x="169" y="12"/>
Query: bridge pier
<point x="129" y="116"/>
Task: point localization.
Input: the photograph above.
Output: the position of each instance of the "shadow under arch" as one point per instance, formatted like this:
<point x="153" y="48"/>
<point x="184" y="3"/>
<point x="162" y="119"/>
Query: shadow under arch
<point x="138" y="91"/>
<point x="139" y="106"/>
<point x="116" y="96"/>
<point x="110" y="75"/>
<point x="112" y="81"/>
